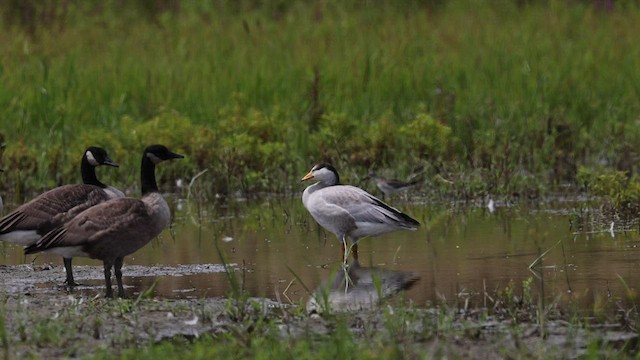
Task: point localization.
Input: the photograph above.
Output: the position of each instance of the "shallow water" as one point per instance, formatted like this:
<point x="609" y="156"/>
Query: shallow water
<point x="459" y="254"/>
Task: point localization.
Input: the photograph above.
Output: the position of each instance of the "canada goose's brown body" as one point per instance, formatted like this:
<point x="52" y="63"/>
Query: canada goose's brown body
<point x="29" y="222"/>
<point x="116" y="228"/>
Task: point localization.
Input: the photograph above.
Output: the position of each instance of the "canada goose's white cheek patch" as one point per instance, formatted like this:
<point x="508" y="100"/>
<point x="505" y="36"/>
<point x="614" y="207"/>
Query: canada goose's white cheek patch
<point x="91" y="159"/>
<point x="154" y="158"/>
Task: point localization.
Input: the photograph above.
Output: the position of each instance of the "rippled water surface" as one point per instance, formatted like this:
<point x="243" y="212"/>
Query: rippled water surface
<point x="460" y="253"/>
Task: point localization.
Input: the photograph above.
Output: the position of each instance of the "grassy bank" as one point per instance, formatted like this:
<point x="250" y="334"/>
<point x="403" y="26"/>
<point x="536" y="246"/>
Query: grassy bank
<point x="67" y="326"/>
<point x="496" y="98"/>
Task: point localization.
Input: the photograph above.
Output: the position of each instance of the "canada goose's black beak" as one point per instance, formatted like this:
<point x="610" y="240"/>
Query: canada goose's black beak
<point x="173" y="155"/>
<point x="109" y="162"/>
<point x="1" y="170"/>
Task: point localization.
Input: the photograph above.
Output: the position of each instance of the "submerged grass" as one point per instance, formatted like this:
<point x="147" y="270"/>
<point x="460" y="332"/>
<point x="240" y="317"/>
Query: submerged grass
<point x="496" y="97"/>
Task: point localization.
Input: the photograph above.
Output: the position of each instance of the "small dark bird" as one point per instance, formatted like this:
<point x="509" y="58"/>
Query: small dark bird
<point x="29" y="222"/>
<point x="116" y="228"/>
<point x="348" y="211"/>
<point x="390" y="186"/>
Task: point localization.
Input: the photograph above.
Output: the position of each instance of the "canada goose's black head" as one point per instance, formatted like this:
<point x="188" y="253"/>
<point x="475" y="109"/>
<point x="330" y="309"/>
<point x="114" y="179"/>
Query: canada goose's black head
<point x="160" y="153"/>
<point x="323" y="172"/>
<point x="152" y="156"/>
<point x="97" y="156"/>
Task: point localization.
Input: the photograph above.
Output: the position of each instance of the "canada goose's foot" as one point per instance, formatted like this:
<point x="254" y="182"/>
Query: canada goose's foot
<point x="71" y="284"/>
<point x="68" y="286"/>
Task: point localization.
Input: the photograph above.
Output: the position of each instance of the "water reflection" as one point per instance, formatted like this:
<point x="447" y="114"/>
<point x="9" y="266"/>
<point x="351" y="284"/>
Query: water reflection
<point x="460" y="253"/>
<point x="353" y="287"/>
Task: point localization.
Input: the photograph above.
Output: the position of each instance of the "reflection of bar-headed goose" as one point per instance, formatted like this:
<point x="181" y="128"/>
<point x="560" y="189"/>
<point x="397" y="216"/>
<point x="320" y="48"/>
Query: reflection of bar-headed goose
<point x="29" y="222"/>
<point x="358" y="288"/>
<point x="116" y="228"/>
<point x="348" y="211"/>
<point x="390" y="186"/>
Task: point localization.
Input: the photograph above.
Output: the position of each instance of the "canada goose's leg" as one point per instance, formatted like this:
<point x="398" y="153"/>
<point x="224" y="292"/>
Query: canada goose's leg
<point x="118" y="270"/>
<point x="67" y="267"/>
<point x="107" y="279"/>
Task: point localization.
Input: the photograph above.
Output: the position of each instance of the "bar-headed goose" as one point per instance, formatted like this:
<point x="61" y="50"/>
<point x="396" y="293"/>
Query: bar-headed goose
<point x="114" y="229"/>
<point x="29" y="222"/>
<point x="348" y="211"/>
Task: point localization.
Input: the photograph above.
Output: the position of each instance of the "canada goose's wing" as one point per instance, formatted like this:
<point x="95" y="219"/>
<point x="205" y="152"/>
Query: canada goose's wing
<point x="98" y="226"/>
<point x="53" y="208"/>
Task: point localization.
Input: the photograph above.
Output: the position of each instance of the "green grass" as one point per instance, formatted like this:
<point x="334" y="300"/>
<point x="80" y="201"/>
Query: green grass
<point x="497" y="97"/>
<point x="340" y="345"/>
<point x="392" y="333"/>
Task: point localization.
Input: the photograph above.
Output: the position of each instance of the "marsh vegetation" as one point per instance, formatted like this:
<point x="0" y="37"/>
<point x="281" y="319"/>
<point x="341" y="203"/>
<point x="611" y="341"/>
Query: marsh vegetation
<point x="508" y="98"/>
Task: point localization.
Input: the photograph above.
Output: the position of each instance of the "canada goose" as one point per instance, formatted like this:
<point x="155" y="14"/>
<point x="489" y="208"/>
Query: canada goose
<point x="390" y="186"/>
<point x="29" y="222"/>
<point x="348" y="211"/>
<point x="114" y="229"/>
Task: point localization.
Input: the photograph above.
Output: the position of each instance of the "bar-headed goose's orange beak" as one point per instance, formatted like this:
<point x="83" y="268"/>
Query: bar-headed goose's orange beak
<point x="308" y="176"/>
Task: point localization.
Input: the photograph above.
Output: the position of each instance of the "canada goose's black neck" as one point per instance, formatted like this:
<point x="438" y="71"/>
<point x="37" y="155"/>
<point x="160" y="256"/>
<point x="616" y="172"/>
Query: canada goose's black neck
<point x="89" y="173"/>
<point x="148" y="175"/>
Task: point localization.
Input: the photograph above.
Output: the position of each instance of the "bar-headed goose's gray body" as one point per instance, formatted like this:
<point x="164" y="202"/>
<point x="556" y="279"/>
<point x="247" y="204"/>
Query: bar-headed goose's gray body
<point x="30" y="221"/>
<point x="348" y="211"/>
<point x="116" y="228"/>
<point x="390" y="186"/>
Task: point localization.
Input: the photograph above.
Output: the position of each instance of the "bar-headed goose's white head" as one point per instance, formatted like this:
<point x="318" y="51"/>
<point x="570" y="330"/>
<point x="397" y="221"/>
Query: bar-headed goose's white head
<point x="324" y="173"/>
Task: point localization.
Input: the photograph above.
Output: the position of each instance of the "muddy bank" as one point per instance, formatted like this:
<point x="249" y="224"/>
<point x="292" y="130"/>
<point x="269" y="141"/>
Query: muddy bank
<point x="44" y="321"/>
<point x="54" y="326"/>
<point x="47" y="278"/>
